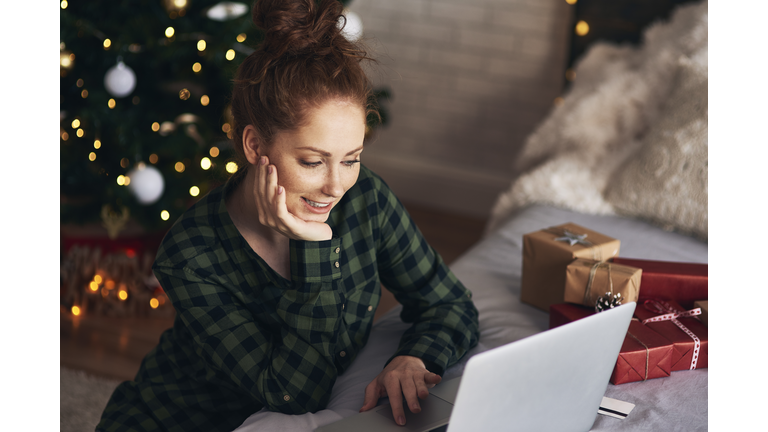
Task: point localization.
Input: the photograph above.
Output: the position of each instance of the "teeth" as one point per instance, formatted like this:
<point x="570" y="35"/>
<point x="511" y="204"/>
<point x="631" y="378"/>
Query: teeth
<point x="316" y="204"/>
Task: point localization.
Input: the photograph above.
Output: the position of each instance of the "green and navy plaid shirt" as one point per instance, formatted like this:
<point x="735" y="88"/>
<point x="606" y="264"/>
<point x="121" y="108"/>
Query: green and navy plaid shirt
<point x="245" y="338"/>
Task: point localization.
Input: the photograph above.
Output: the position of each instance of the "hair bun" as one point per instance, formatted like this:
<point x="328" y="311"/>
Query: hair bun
<point x="296" y="25"/>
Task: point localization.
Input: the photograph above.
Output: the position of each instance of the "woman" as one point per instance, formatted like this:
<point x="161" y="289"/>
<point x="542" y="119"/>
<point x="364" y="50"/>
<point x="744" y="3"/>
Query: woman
<point x="276" y="275"/>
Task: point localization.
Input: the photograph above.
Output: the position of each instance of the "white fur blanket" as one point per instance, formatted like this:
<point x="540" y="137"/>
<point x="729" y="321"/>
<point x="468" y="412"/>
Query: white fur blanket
<point x="631" y="135"/>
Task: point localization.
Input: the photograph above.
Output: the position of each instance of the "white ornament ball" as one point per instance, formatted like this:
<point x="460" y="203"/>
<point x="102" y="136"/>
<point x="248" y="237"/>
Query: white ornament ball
<point x="120" y="80"/>
<point x="146" y="184"/>
<point x="353" y="29"/>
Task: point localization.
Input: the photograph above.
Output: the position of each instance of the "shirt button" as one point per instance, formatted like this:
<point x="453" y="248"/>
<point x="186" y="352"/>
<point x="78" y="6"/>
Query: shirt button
<point x="336" y="264"/>
<point x="370" y="308"/>
<point x="343" y="354"/>
<point x="286" y="398"/>
<point x="337" y="250"/>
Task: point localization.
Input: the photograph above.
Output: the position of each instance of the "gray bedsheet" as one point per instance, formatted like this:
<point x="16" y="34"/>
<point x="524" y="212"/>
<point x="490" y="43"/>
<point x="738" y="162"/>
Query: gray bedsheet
<point x="492" y="271"/>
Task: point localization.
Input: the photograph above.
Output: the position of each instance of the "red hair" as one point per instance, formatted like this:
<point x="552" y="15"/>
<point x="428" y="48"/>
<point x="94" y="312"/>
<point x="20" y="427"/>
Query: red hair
<point x="303" y="62"/>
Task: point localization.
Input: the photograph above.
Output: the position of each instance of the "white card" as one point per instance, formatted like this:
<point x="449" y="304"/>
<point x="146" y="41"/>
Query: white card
<point x="615" y="408"/>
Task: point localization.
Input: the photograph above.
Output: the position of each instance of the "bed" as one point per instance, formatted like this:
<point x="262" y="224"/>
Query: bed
<point x="625" y="155"/>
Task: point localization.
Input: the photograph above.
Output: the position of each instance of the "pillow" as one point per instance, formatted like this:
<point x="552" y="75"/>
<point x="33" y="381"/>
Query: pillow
<point x="666" y="181"/>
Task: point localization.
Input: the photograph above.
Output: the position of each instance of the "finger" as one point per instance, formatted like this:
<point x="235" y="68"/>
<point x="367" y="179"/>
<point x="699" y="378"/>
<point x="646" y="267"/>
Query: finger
<point x="409" y="391"/>
<point x="261" y="191"/>
<point x="396" y="400"/>
<point x="432" y="379"/>
<point x="371" y="396"/>
<point x="421" y="386"/>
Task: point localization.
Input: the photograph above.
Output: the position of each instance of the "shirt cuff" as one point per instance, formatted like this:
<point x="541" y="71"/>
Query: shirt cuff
<point x="315" y="261"/>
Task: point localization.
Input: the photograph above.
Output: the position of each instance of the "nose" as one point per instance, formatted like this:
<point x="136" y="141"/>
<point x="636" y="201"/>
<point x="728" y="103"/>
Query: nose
<point x="333" y="186"/>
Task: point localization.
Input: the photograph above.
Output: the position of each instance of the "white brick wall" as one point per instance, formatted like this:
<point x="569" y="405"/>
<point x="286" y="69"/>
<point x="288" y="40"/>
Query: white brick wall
<point x="470" y="79"/>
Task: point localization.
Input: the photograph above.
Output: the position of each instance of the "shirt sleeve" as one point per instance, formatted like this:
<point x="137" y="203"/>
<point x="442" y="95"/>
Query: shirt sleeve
<point x="445" y="320"/>
<point x="289" y="367"/>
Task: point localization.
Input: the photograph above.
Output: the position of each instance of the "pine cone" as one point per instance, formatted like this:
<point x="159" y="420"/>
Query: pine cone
<point x="607" y="301"/>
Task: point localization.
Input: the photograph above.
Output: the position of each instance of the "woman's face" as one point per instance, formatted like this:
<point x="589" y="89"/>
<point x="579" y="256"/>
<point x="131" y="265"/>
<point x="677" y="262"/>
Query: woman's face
<point x="319" y="162"/>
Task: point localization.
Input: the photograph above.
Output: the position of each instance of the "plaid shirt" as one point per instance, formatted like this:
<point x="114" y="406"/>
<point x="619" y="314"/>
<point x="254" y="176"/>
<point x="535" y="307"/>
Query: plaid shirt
<point x="245" y="338"/>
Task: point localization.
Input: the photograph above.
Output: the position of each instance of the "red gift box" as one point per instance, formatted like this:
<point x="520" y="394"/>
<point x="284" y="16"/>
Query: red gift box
<point x="687" y="333"/>
<point x="644" y="354"/>
<point x="681" y="282"/>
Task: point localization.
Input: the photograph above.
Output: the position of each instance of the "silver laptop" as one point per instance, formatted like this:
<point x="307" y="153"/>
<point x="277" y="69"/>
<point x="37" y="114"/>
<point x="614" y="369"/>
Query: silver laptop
<point x="551" y="381"/>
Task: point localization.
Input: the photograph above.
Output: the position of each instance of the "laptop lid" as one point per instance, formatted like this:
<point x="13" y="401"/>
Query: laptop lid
<point x="551" y="381"/>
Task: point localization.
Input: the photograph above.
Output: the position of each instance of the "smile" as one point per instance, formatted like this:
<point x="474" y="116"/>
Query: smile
<point x="316" y="204"/>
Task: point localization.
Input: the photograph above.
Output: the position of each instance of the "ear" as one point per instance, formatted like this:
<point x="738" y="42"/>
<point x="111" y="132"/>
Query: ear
<point x="252" y="145"/>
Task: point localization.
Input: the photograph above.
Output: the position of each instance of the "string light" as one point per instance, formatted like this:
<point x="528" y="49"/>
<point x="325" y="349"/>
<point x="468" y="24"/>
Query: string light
<point x="64" y="5"/>
<point x="92" y="156"/>
<point x="184" y="94"/>
<point x="122" y="294"/>
<point x="164" y="215"/>
<point x="179" y="167"/>
<point x="582" y="28"/>
<point x="241" y="37"/>
<point x="111" y="103"/>
<point x="98" y="279"/>
<point x="225" y="127"/>
<point x="80" y="83"/>
<point x="231" y="167"/>
<point x="153" y="303"/>
<point x="153" y="158"/>
<point x="94" y="286"/>
<point x="205" y="163"/>
<point x="64" y="136"/>
<point x="230" y="55"/>
<point x="201" y="45"/>
<point x="80" y="133"/>
<point x="107" y="44"/>
<point x="169" y="32"/>
<point x="155" y="127"/>
<point x="121" y="180"/>
<point x="194" y="191"/>
<point x="124" y="162"/>
<point x="75" y="124"/>
<point x="214" y="151"/>
<point x="197" y="67"/>
<point x="570" y="2"/>
<point x="205" y="100"/>
<point x="109" y="284"/>
<point x="97" y="144"/>
<point x="75" y="309"/>
<point x="84" y="93"/>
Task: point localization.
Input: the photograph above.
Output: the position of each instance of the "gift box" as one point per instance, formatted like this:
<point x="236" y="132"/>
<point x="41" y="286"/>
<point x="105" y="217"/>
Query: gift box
<point x="686" y="332"/>
<point x="588" y="280"/>
<point x="547" y="253"/>
<point x="702" y="304"/>
<point x="681" y="282"/>
<point x="644" y="353"/>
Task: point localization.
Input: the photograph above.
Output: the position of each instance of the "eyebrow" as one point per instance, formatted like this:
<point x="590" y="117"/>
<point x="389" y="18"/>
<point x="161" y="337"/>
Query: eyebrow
<point x="325" y="153"/>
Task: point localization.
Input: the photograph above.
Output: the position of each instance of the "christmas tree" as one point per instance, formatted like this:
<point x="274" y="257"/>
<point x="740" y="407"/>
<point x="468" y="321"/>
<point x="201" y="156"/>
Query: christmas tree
<point x="144" y="92"/>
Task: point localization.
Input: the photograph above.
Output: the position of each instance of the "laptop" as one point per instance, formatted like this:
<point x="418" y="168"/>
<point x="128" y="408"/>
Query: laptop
<point x="551" y="381"/>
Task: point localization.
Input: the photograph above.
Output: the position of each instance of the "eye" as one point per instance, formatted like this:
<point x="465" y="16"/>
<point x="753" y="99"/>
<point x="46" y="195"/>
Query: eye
<point x="351" y="163"/>
<point x="310" y="164"/>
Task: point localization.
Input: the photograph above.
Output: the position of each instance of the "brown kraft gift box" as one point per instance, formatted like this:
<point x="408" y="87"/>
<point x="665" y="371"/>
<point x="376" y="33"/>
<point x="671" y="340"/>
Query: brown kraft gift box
<point x="684" y="345"/>
<point x="644" y="354"/>
<point x="587" y="280"/>
<point x="545" y="260"/>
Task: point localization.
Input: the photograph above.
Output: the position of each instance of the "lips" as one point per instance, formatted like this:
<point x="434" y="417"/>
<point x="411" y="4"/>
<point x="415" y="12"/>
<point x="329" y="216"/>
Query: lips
<point x="317" y="207"/>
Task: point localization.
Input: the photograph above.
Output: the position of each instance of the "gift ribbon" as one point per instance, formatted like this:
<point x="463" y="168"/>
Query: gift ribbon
<point x="592" y="271"/>
<point x="672" y="314"/>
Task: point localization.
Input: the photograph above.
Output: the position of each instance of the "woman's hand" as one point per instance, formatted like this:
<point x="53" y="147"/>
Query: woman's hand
<point x="273" y="211"/>
<point x="404" y="376"/>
